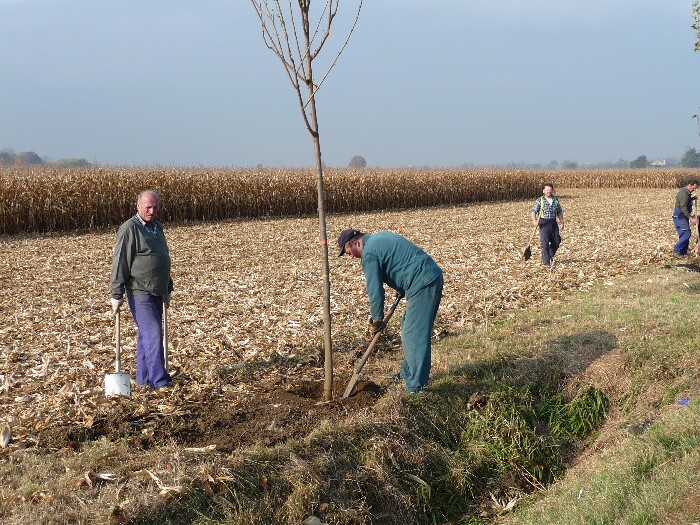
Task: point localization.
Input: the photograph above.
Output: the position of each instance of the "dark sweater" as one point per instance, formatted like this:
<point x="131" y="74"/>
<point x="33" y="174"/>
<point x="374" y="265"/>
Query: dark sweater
<point x="141" y="261"/>
<point x="683" y="202"/>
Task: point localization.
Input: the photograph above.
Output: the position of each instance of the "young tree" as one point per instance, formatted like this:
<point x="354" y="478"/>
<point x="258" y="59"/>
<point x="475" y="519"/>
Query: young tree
<point x="288" y="34"/>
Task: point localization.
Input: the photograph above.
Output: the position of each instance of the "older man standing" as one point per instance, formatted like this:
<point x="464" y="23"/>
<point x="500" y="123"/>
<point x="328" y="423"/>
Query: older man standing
<point x="141" y="270"/>
<point x="682" y="218"/>
<point x="388" y="258"/>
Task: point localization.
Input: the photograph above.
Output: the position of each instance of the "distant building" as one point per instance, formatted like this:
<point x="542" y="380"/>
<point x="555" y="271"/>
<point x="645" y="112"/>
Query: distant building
<point x="658" y="162"/>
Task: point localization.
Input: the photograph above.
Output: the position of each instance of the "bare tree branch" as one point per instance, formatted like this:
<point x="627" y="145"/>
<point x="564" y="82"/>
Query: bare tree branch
<point x="337" y="56"/>
<point x="331" y="15"/>
<point x="696" y="24"/>
<point x="298" y="64"/>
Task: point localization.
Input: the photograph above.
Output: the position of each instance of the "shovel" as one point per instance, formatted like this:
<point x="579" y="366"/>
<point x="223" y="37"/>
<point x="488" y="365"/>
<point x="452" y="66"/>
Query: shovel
<point x="165" y="336"/>
<point x="528" y="251"/>
<point x="119" y="383"/>
<point x="365" y="356"/>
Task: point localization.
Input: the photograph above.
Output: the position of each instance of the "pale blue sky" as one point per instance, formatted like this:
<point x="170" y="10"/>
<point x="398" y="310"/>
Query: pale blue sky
<point x="422" y="83"/>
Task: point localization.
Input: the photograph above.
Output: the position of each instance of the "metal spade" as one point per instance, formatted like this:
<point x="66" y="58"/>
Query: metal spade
<point x="118" y="383"/>
<point x="365" y="356"/>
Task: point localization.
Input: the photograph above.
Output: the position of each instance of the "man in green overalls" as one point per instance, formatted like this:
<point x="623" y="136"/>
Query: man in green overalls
<point x="388" y="258"/>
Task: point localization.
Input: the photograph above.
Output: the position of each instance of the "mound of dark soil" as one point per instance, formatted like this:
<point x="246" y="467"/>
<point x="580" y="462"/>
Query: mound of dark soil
<point x="268" y="416"/>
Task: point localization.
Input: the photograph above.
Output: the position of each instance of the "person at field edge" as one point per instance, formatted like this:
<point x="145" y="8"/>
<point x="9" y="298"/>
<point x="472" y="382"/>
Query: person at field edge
<point x="141" y="271"/>
<point x="682" y="218"/>
<point x="388" y="258"/>
<point x="544" y="214"/>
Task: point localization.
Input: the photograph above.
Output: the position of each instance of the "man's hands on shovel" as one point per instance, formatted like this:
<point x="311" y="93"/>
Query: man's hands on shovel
<point x="374" y="326"/>
<point x="116" y="304"/>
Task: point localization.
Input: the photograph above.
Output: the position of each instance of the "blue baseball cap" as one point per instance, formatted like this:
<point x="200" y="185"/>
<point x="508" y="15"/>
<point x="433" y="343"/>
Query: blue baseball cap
<point x="345" y="236"/>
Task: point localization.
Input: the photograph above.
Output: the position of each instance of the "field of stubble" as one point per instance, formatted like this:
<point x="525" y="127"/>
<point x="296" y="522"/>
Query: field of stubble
<point x="247" y="301"/>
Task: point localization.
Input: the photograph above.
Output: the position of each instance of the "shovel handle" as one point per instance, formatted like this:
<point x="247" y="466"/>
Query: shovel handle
<point x="118" y="330"/>
<point x="365" y="356"/>
<point x="533" y="234"/>
<point x="165" y="336"/>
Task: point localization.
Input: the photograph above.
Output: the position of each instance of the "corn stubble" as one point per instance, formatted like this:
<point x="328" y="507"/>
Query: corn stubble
<point x="248" y="292"/>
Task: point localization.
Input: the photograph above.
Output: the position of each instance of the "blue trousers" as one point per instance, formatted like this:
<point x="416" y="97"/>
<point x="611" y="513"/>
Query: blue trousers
<point x="683" y="228"/>
<point x="550" y="239"/>
<point x="147" y="311"/>
<point x="416" y="332"/>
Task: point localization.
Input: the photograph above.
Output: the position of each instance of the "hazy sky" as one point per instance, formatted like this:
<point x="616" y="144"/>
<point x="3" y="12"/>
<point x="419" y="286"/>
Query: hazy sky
<point x="421" y="83"/>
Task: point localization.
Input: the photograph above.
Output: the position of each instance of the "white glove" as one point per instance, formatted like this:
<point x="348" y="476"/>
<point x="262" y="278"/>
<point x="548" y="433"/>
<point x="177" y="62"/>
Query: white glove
<point x="116" y="304"/>
<point x="166" y="300"/>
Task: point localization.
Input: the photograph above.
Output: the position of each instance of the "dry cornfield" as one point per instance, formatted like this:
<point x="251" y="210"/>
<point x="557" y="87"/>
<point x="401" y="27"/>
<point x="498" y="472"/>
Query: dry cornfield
<point x="247" y="302"/>
<point x="50" y="198"/>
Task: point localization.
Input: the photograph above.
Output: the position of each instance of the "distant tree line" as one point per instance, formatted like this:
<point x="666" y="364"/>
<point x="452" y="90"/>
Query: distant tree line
<point x="691" y="159"/>
<point x="27" y="158"/>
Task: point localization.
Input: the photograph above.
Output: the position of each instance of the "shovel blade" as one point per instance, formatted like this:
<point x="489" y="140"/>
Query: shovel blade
<point x="118" y="384"/>
<point x="528" y="253"/>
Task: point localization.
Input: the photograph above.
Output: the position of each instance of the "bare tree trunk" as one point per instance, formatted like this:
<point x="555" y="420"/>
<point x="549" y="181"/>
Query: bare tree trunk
<point x="327" y="342"/>
<point x="323" y="239"/>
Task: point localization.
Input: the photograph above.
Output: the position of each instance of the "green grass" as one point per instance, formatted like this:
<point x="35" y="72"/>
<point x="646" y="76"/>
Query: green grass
<point x="645" y="479"/>
<point x="649" y="478"/>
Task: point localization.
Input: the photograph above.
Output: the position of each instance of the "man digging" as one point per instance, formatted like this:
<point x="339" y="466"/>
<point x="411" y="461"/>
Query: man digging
<point x="388" y="258"/>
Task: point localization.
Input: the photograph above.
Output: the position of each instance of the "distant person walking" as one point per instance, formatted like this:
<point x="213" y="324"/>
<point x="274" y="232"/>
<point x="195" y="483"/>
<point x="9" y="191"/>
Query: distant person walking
<point x="682" y="218"/>
<point x="141" y="270"/>
<point x="388" y="258"/>
<point x="545" y="213"/>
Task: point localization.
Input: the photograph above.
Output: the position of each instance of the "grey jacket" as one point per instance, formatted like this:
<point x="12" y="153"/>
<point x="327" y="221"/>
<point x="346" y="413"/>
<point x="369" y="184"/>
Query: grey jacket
<point x="141" y="261"/>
